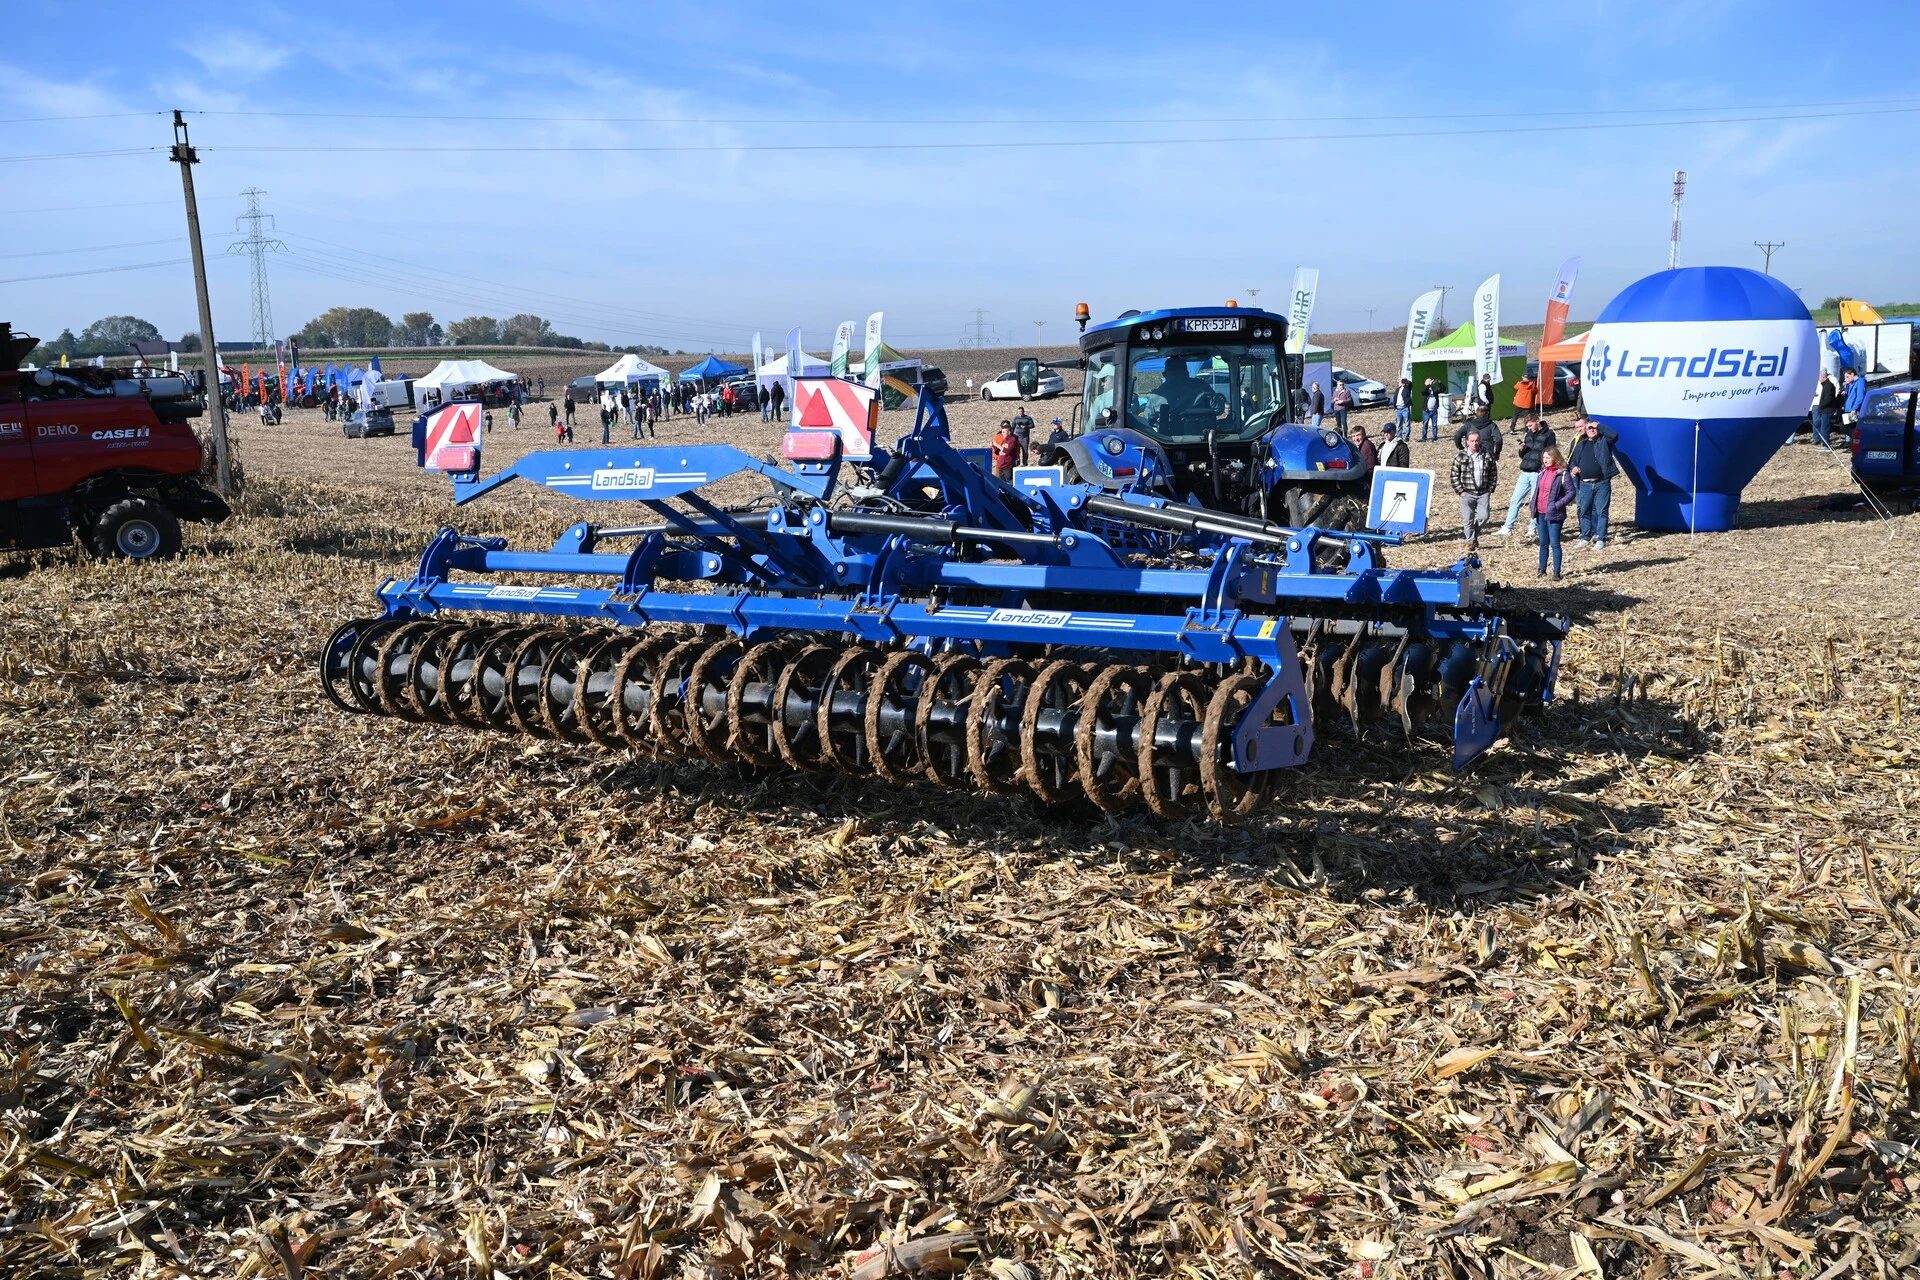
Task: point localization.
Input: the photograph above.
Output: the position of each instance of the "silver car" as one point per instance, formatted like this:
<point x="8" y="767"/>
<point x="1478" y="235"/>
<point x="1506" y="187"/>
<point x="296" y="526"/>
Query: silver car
<point x="1366" y="393"/>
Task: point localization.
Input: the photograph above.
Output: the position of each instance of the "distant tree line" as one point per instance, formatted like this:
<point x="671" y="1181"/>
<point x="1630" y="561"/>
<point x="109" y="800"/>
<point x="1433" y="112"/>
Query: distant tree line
<point x="107" y="336"/>
<point x="365" y="327"/>
<point x="339" y="327"/>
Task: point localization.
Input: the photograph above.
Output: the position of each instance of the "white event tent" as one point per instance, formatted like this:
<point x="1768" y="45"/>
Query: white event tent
<point x="630" y="369"/>
<point x="450" y="377"/>
<point x="775" y="370"/>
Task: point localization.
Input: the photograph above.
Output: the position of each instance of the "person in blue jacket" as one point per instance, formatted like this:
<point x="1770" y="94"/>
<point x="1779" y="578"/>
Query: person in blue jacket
<point x="1856" y="399"/>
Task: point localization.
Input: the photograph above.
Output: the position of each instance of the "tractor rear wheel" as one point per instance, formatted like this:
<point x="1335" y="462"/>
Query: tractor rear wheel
<point x="134" y="529"/>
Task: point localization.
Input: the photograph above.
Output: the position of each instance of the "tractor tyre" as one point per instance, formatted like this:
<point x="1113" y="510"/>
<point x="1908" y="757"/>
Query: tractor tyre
<point x="134" y="529"/>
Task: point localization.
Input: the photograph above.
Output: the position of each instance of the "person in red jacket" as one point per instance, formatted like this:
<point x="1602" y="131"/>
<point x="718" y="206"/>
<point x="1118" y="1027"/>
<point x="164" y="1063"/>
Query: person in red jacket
<point x="1006" y="451"/>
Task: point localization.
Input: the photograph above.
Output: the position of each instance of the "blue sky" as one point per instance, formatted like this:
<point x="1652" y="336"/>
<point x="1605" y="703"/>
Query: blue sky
<point x="698" y="247"/>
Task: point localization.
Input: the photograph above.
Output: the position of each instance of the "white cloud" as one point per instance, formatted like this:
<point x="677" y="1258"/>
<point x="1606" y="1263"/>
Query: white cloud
<point x="236" y="53"/>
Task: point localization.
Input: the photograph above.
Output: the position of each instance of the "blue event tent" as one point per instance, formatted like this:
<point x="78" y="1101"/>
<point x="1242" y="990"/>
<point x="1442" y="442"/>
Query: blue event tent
<point x="712" y="367"/>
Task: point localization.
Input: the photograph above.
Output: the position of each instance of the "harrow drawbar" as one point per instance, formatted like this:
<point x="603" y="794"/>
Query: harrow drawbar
<point x="938" y="626"/>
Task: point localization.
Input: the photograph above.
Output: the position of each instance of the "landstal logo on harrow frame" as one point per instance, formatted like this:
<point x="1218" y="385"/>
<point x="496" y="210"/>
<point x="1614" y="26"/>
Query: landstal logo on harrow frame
<point x="623" y="478"/>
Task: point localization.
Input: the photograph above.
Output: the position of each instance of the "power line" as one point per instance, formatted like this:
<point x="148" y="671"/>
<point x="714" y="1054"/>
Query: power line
<point x="76" y="208"/>
<point x="98" y="248"/>
<point x="1024" y="121"/>
<point x="97" y="271"/>
<point x="1004" y="144"/>
<point x="998" y="145"/>
<point x="80" y="155"/>
<point x="103" y="115"/>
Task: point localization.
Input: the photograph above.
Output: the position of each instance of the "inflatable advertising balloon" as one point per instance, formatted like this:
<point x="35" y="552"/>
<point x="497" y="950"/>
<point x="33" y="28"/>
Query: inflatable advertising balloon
<point x="1702" y="371"/>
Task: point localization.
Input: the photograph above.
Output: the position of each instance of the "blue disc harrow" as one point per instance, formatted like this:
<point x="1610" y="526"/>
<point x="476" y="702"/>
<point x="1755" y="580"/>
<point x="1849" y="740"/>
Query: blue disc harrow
<point x="900" y="612"/>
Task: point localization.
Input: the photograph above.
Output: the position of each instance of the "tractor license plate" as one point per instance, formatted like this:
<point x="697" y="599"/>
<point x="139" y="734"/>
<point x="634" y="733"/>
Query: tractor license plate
<point x="1218" y="324"/>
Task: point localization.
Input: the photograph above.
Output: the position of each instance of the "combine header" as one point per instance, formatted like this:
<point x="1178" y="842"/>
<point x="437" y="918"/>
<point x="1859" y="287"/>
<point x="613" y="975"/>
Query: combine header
<point x="899" y="612"/>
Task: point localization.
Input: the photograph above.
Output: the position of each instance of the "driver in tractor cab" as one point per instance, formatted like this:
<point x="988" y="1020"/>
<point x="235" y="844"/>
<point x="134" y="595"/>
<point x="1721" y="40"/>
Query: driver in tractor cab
<point x="1182" y="392"/>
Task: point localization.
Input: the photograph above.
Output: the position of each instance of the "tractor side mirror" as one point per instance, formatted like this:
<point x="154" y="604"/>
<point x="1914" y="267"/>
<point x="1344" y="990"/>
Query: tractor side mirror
<point x="1029" y="376"/>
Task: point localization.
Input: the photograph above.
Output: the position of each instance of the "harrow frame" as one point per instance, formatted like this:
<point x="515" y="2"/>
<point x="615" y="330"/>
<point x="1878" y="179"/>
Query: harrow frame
<point x="928" y="567"/>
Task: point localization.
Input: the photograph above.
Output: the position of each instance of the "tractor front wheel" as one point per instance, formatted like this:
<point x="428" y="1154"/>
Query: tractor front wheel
<point x="134" y="529"/>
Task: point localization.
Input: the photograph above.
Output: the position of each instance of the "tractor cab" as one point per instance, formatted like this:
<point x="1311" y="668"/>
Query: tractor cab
<point x="1199" y="401"/>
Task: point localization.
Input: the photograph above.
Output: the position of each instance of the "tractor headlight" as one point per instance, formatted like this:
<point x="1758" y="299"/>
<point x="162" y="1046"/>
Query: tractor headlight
<point x="1331" y="439"/>
<point x="1114" y="445"/>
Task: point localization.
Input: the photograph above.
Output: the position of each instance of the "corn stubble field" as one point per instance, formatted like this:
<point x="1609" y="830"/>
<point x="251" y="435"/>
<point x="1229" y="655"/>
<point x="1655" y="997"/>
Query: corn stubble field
<point x="289" y="992"/>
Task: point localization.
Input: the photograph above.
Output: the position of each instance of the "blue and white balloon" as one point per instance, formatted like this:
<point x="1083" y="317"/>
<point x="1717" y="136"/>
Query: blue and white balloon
<point x="1702" y="371"/>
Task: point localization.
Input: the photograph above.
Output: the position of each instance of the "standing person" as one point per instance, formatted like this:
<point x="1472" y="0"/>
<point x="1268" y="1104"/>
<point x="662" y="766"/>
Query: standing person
<point x="1429" y="412"/>
<point x="1856" y="400"/>
<point x="562" y="429"/>
<point x="1490" y="438"/>
<point x="1475" y="475"/>
<point x="1394" y="450"/>
<point x="1316" y="405"/>
<point x="1526" y="399"/>
<point x="766" y="403"/>
<point x="553" y="414"/>
<point x="540" y="385"/>
<point x="607" y="414"/>
<point x="1483" y="393"/>
<point x="1550" y="501"/>
<point x="1342" y="403"/>
<point x="700" y="408"/>
<point x="569" y="403"/>
<point x="1538" y="439"/>
<point x="1823" y="410"/>
<point x="1403" y="407"/>
<point x="1006" y="451"/>
<point x="1023" y="429"/>
<point x="1593" y="468"/>
<point x="779" y="394"/>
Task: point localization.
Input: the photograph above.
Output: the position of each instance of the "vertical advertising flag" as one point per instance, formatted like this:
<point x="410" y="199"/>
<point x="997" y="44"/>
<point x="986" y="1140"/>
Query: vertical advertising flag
<point x="795" y="359"/>
<point x="1486" y="327"/>
<point x="842" y="339"/>
<point x="872" y="366"/>
<point x="1560" y="302"/>
<point x="1419" y="325"/>
<point x="757" y="360"/>
<point x="1306" y="288"/>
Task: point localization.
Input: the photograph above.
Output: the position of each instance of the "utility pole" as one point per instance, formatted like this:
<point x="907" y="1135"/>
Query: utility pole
<point x="1370" y="311"/>
<point x="1039" y="333"/>
<point x="1254" y="295"/>
<point x="184" y="155"/>
<point x="1440" y="312"/>
<point x="1767" y="247"/>
<point x="1673" y="242"/>
<point x="251" y="227"/>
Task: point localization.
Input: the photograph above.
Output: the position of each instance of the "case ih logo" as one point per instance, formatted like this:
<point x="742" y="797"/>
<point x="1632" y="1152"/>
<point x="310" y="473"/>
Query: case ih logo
<point x="124" y="433"/>
<point x="54" y="430"/>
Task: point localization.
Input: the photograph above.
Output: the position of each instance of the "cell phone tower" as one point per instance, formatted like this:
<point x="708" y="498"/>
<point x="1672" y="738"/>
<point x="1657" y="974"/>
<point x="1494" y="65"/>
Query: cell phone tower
<point x="1679" y="194"/>
<point x="252" y="227"/>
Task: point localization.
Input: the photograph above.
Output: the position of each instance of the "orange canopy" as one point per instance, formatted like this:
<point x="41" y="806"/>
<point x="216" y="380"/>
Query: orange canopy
<point x="1571" y="351"/>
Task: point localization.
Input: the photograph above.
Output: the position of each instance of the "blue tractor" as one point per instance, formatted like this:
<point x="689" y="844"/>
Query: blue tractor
<point x="1199" y="403"/>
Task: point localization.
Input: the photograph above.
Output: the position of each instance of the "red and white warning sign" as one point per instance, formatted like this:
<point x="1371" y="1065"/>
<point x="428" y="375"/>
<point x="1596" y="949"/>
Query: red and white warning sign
<point x="832" y="407"/>
<point x="453" y="438"/>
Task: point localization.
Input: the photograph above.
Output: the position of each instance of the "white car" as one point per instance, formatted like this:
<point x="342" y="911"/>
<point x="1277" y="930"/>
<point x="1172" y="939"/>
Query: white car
<point x="1367" y="394"/>
<point x="1007" y="386"/>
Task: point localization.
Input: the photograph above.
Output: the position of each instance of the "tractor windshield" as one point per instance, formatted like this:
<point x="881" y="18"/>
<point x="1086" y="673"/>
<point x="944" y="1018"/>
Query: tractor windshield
<point x="1180" y="392"/>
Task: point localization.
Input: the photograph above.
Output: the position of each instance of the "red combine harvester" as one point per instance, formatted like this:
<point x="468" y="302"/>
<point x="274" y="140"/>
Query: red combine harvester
<point x="106" y="454"/>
